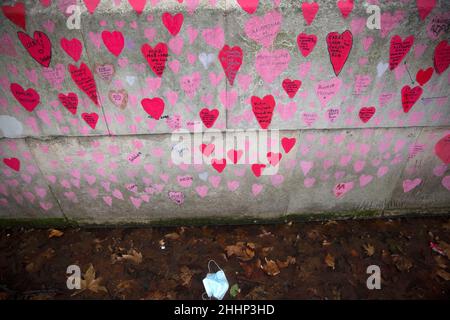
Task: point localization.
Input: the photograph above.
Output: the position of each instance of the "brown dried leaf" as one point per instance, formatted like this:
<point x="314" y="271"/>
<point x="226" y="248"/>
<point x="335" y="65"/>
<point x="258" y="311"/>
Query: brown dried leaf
<point x="133" y="256"/>
<point x="186" y="276"/>
<point x="329" y="260"/>
<point x="243" y="251"/>
<point x="55" y="233"/>
<point x="285" y="264"/>
<point x="270" y="268"/>
<point x="90" y="282"/>
<point x="402" y="263"/>
<point x="370" y="249"/>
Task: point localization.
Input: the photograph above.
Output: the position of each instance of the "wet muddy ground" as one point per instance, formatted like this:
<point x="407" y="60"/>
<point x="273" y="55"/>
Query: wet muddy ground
<point x="302" y="260"/>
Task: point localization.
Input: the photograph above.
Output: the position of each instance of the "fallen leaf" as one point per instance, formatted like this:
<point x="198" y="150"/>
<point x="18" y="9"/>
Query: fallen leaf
<point x="285" y="264"/>
<point x="132" y="256"/>
<point x="443" y="274"/>
<point x="243" y="251"/>
<point x="234" y="290"/>
<point x="329" y="260"/>
<point x="55" y="233"/>
<point x="186" y="276"/>
<point x="370" y="249"/>
<point x="89" y="282"/>
<point x="402" y="263"/>
<point x="271" y="267"/>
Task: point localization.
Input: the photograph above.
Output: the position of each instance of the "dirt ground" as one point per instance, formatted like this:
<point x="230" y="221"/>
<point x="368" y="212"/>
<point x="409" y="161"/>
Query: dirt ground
<point x="307" y="260"/>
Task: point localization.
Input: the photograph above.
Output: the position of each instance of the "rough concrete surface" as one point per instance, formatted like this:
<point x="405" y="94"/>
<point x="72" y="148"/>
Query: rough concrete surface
<point x="354" y="139"/>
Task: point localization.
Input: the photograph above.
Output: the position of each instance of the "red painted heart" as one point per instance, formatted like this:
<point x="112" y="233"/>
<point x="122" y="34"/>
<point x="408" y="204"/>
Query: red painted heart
<point x="13" y="163"/>
<point x="156" y="58"/>
<point x="91" y="5"/>
<point x="291" y="87"/>
<point x="288" y="144"/>
<point x="207" y="149"/>
<point x="154" y="107"/>
<point x="425" y="7"/>
<point x="442" y="149"/>
<point x="339" y="47"/>
<point x="398" y="50"/>
<point x="113" y="41"/>
<point x="234" y="155"/>
<point x="306" y="43"/>
<point x="309" y="11"/>
<point x="257" y="169"/>
<point x="69" y="101"/>
<point x="263" y="109"/>
<point x="366" y="113"/>
<point x="138" y="5"/>
<point x="72" y="47"/>
<point x="410" y="96"/>
<point x="90" y="118"/>
<point x="39" y="47"/>
<point x="219" y="164"/>
<point x="231" y="61"/>
<point x="346" y="7"/>
<point x="249" y="6"/>
<point x="274" y="158"/>
<point x="16" y="14"/>
<point x="172" y="23"/>
<point x="29" y="98"/>
<point x="84" y="80"/>
<point x="209" y="116"/>
<point x="441" y="56"/>
<point x="423" y="76"/>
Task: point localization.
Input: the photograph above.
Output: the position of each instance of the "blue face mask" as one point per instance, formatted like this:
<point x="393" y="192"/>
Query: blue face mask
<point x="216" y="284"/>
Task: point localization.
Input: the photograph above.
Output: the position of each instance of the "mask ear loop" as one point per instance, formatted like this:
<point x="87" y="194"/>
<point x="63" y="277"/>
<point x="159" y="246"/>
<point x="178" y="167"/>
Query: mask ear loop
<point x="209" y="265"/>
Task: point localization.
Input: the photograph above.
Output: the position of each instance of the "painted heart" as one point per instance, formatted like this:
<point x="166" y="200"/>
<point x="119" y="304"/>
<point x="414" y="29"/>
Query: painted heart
<point x="339" y="47"/>
<point x="309" y="11"/>
<point x="257" y="169"/>
<point x="90" y="118"/>
<point x="39" y="47"/>
<point x="105" y="71"/>
<point x="29" y="98"/>
<point x="172" y="23"/>
<point x="398" y="50"/>
<point x="423" y="76"/>
<point x="249" y="6"/>
<point x="409" y="185"/>
<point x="442" y="56"/>
<point x="69" y="101"/>
<point x="346" y="7"/>
<point x="425" y="7"/>
<point x="119" y="98"/>
<point x="83" y="78"/>
<point x="270" y="64"/>
<point x="442" y="149"/>
<point x="410" y="96"/>
<point x="342" y="188"/>
<point x="219" y="164"/>
<point x="306" y="43"/>
<point x="209" y="116"/>
<point x="215" y="37"/>
<point x="156" y="58"/>
<point x="366" y="113"/>
<point x="137" y="5"/>
<point x="114" y="41"/>
<point x="327" y="89"/>
<point x="72" y="47"/>
<point x="288" y="144"/>
<point x="264" y="29"/>
<point x="154" y="107"/>
<point x="16" y="14"/>
<point x="291" y="87"/>
<point x="13" y="163"/>
<point x="207" y="149"/>
<point x="234" y="155"/>
<point x="190" y="84"/>
<point x="274" y="158"/>
<point x="176" y="196"/>
<point x="263" y="109"/>
<point x="231" y="61"/>
<point x="91" y="5"/>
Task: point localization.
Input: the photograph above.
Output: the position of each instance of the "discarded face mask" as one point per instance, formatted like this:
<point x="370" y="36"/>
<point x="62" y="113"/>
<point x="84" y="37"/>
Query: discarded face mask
<point x="216" y="284"/>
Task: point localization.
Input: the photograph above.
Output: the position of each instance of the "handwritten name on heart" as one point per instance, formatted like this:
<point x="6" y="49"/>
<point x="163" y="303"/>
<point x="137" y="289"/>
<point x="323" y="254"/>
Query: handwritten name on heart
<point x="263" y="110"/>
<point x="342" y="188"/>
<point x="105" y="71"/>
<point x="39" y="47"/>
<point x="69" y="101"/>
<point x="156" y="57"/>
<point x="291" y="87"/>
<point x="176" y="196"/>
<point x="264" y="29"/>
<point x="90" y="118"/>
<point x="270" y="64"/>
<point x="398" y="50"/>
<point x="366" y="113"/>
<point x="410" y="97"/>
<point x="29" y="98"/>
<point x="119" y="98"/>
<point x="208" y="117"/>
<point x="442" y="56"/>
<point x="326" y="89"/>
<point x="154" y="107"/>
<point x="83" y="78"/>
<point x="339" y="47"/>
<point x="231" y="60"/>
<point x="306" y="43"/>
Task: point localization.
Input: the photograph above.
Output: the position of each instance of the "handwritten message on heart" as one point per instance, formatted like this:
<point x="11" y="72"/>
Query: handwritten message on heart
<point x="83" y="78"/>
<point x="29" y="98"/>
<point x="156" y="57"/>
<point x="231" y="61"/>
<point x="339" y="47"/>
<point x="398" y="50"/>
<point x="263" y="110"/>
<point x="270" y="64"/>
<point x="39" y="47"/>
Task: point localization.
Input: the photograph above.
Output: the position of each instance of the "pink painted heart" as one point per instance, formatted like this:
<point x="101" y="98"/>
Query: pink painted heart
<point x="342" y="188"/>
<point x="270" y="64"/>
<point x="215" y="37"/>
<point x="264" y="29"/>
<point x="409" y="185"/>
<point x="446" y="182"/>
<point x="190" y="84"/>
<point x="327" y="89"/>
<point x="55" y="76"/>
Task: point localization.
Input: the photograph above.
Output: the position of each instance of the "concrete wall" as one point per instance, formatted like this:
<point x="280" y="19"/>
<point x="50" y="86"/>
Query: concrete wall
<point x="360" y="145"/>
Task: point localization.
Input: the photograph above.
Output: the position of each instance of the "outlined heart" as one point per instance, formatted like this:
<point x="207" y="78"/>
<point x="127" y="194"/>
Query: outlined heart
<point x="156" y="57"/>
<point x="231" y="60"/>
<point x="339" y="47"/>
<point x="39" y="47"/>
<point x="29" y="98"/>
